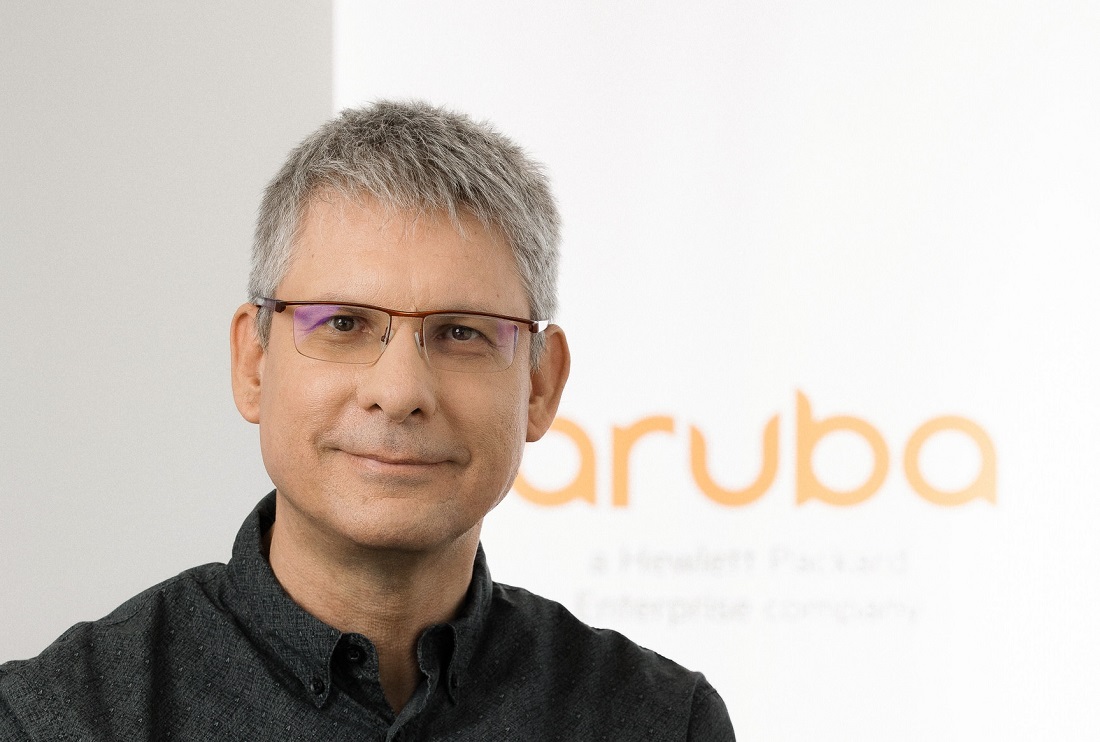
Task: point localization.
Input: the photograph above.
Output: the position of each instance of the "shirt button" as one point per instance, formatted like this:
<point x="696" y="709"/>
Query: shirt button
<point x="354" y="654"/>
<point x="317" y="686"/>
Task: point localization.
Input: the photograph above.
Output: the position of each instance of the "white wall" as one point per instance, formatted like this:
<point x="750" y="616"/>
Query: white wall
<point x="135" y="138"/>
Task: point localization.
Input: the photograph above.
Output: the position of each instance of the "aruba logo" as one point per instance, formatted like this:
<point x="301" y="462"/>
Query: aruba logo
<point x="809" y="432"/>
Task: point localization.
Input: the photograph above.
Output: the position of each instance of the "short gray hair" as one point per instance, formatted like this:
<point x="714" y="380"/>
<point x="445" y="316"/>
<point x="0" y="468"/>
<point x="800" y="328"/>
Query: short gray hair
<point x="412" y="155"/>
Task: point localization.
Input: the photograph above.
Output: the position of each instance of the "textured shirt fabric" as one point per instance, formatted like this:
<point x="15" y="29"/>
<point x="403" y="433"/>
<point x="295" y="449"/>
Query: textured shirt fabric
<point x="221" y="652"/>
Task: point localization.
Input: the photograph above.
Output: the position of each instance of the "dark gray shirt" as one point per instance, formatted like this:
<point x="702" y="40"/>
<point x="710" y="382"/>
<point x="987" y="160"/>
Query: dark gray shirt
<point x="221" y="652"/>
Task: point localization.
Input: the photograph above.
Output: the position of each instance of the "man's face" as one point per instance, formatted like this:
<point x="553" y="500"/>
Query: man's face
<point x="392" y="455"/>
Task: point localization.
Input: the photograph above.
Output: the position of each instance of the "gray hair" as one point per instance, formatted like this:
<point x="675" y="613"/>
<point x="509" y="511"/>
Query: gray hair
<point x="411" y="155"/>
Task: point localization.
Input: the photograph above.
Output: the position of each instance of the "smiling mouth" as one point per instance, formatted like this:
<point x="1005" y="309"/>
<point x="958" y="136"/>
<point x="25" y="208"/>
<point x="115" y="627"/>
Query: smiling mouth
<point x="390" y="460"/>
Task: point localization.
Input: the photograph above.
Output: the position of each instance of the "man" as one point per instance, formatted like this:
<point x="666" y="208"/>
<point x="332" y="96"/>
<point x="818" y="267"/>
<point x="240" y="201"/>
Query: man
<point x="396" y="355"/>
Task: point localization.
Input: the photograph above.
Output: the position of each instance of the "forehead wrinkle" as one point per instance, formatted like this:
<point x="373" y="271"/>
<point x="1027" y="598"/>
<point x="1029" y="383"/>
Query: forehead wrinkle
<point x="400" y="225"/>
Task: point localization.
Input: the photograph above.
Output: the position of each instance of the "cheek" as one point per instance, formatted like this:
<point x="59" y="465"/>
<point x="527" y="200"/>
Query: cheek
<point x="294" y="410"/>
<point x="498" y="422"/>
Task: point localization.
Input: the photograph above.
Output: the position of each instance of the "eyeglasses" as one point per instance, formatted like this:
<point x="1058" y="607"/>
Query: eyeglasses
<point x="476" y="342"/>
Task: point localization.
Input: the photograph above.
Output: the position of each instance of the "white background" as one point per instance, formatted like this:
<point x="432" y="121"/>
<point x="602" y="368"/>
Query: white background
<point x="891" y="209"/>
<point x="135" y="140"/>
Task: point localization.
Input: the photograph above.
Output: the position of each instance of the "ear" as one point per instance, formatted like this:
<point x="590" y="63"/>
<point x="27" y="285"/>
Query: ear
<point x="247" y="361"/>
<point x="547" y="383"/>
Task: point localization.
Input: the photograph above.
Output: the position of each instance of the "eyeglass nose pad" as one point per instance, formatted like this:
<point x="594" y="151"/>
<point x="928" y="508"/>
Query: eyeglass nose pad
<point x="421" y="348"/>
<point x="418" y="337"/>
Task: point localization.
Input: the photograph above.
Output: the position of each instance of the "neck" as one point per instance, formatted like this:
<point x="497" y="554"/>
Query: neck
<point x="390" y="597"/>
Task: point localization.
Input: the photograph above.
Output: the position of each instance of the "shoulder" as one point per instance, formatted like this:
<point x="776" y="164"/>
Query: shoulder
<point x="539" y="622"/>
<point x="97" y="663"/>
<point x="600" y="668"/>
<point x="132" y="621"/>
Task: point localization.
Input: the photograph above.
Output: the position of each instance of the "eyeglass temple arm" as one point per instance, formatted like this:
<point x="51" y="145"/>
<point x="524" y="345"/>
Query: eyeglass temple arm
<point x="273" y="304"/>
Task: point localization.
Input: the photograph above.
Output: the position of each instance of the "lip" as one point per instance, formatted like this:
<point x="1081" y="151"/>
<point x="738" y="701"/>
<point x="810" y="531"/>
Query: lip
<point x="393" y="460"/>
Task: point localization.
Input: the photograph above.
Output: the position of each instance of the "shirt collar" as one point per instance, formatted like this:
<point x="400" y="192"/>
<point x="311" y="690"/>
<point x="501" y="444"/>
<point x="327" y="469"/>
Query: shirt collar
<point x="302" y="643"/>
<point x="469" y="626"/>
<point x="305" y="645"/>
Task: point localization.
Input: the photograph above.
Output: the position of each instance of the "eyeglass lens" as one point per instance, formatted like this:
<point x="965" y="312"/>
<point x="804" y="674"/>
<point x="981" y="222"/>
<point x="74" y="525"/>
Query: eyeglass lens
<point x="451" y="342"/>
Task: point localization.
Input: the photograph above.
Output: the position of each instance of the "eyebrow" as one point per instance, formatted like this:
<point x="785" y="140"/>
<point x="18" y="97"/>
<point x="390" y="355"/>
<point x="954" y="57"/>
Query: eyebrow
<point x="335" y="299"/>
<point x="331" y="298"/>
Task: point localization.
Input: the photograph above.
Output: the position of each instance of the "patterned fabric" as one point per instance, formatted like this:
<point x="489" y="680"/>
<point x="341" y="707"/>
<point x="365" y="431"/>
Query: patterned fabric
<point x="220" y="652"/>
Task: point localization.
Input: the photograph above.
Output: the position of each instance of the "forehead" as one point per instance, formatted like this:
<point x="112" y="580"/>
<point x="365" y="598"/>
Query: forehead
<point x="358" y="249"/>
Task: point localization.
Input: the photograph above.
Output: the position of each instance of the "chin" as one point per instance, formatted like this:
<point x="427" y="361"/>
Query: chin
<point x="402" y="526"/>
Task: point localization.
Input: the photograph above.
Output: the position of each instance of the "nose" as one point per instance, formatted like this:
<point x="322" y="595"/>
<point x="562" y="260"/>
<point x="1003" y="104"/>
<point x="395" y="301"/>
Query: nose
<point x="399" y="384"/>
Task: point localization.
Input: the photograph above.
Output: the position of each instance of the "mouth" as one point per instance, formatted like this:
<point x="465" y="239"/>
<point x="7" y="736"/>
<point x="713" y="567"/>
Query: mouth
<point x="393" y="461"/>
<point x="376" y="453"/>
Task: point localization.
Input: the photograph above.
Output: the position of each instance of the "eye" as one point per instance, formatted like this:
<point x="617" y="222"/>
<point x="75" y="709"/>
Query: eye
<point x="334" y="323"/>
<point x="342" y="323"/>
<point x="461" y="333"/>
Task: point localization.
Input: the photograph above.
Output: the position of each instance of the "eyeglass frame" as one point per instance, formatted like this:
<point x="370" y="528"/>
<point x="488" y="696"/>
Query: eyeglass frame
<point x="279" y="305"/>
